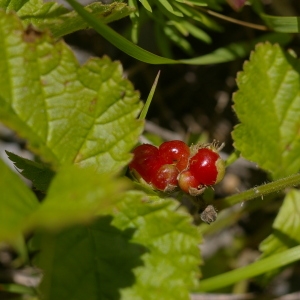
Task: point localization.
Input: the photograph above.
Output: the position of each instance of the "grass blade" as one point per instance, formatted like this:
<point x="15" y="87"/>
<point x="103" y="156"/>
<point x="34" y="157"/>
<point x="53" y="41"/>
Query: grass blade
<point x="257" y="268"/>
<point x="149" y="99"/>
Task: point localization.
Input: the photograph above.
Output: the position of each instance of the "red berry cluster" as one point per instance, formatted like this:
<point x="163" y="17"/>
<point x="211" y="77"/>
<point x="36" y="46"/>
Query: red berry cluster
<point x="175" y="164"/>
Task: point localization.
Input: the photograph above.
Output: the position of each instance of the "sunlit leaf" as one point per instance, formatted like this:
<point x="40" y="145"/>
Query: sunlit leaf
<point x="68" y="113"/>
<point x="268" y="107"/>
<point x="59" y="20"/>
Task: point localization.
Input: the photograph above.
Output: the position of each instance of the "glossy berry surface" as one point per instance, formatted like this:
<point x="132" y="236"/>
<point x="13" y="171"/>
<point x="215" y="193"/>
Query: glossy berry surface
<point x="187" y="181"/>
<point x="151" y="167"/>
<point x="175" y="152"/>
<point x="175" y="164"/>
<point x="145" y="162"/>
<point x="207" y="167"/>
<point x="166" y="178"/>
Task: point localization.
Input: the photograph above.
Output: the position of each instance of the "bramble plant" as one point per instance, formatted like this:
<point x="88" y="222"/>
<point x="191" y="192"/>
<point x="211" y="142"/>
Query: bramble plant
<point x="82" y="226"/>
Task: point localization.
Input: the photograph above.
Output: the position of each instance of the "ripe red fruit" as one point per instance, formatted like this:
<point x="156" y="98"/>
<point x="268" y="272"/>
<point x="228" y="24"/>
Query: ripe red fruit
<point x="145" y="162"/>
<point x="175" y="152"/>
<point x="174" y="163"/>
<point x="166" y="178"/>
<point x="187" y="181"/>
<point x="207" y="166"/>
<point x="148" y="166"/>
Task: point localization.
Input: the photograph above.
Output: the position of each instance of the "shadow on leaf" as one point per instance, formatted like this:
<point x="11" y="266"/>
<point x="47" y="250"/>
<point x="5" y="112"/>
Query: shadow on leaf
<point x="88" y="262"/>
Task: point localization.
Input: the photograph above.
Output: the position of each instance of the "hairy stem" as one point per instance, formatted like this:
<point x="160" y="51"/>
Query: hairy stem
<point x="259" y="191"/>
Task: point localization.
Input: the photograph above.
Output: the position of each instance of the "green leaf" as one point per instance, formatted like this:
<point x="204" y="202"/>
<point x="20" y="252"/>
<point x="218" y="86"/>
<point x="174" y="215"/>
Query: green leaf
<point x="92" y="262"/>
<point x="286" y="227"/>
<point x="169" y="8"/>
<point x="196" y="2"/>
<point x="17" y="203"/>
<point x="69" y="114"/>
<point x="198" y="16"/>
<point x="117" y="39"/>
<point x="145" y="246"/>
<point x="267" y="105"/>
<point x="59" y="20"/>
<point x="149" y="99"/>
<point x="259" y="267"/>
<point x="197" y="32"/>
<point x="178" y="40"/>
<point x="282" y="24"/>
<point x="164" y="45"/>
<point x="172" y="241"/>
<point x="146" y="4"/>
<point x="228" y="53"/>
<point x="285" y="232"/>
<point x="76" y="196"/>
<point x="40" y="174"/>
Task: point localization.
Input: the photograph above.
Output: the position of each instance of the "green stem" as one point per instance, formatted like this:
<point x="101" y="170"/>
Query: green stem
<point x="232" y="158"/>
<point x="259" y="191"/>
<point x="259" y="267"/>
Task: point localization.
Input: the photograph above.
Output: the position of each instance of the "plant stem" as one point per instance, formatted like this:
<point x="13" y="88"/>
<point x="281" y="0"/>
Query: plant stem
<point x="259" y="191"/>
<point x="232" y="20"/>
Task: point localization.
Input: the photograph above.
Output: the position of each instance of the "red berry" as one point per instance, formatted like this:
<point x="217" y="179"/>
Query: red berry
<point x="148" y="166"/>
<point x="187" y="181"/>
<point x="143" y="151"/>
<point x="145" y="162"/>
<point x="207" y="166"/>
<point x="166" y="178"/>
<point x="175" y="152"/>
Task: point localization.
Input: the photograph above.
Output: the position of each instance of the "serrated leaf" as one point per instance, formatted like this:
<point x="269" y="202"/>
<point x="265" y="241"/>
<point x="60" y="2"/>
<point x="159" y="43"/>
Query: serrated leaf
<point x="40" y="174"/>
<point x="17" y="202"/>
<point x="76" y="196"/>
<point x="69" y="114"/>
<point x="59" y="20"/>
<point x="93" y="262"/>
<point x="172" y="241"/>
<point x="143" y="247"/>
<point x="268" y="107"/>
